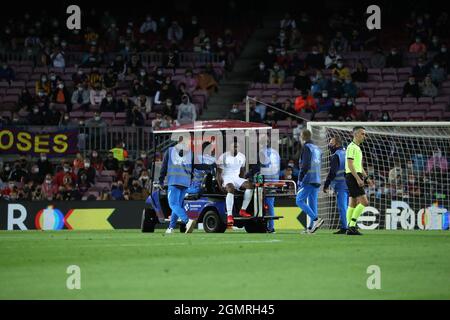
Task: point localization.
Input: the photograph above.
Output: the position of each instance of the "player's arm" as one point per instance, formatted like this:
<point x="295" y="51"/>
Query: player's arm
<point x="305" y="163"/>
<point x="163" y="172"/>
<point x="219" y="172"/>
<point x="334" y="167"/>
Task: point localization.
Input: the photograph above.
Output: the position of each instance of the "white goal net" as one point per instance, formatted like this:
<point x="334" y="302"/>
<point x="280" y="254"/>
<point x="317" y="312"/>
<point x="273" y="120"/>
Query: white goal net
<point x="409" y="163"/>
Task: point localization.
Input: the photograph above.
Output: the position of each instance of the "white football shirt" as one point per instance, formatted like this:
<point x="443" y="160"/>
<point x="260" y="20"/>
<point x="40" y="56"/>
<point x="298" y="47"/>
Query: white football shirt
<point x="231" y="165"/>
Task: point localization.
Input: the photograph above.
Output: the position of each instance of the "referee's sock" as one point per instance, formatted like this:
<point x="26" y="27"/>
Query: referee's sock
<point x="349" y="214"/>
<point x="356" y="213"/>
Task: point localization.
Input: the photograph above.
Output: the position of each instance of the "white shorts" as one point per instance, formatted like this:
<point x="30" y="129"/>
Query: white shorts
<point x="235" y="181"/>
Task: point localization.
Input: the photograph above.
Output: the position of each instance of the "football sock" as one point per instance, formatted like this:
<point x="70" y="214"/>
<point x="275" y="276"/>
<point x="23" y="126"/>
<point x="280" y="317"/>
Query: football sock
<point x="229" y="202"/>
<point x="356" y="213"/>
<point x="247" y="197"/>
<point x="349" y="214"/>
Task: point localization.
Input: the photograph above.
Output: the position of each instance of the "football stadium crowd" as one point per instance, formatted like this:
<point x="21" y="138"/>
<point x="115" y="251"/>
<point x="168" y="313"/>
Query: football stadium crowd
<point x="161" y="71"/>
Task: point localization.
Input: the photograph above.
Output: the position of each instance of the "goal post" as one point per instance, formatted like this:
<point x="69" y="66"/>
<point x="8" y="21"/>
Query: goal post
<point x="409" y="163"/>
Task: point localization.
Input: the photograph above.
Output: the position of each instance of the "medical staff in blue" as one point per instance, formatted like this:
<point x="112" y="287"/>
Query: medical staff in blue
<point x="270" y="169"/>
<point x="177" y="166"/>
<point x="205" y="164"/>
<point x="336" y="179"/>
<point x="309" y="181"/>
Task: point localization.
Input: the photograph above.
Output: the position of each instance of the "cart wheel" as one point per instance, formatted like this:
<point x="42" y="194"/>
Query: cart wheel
<point x="149" y="220"/>
<point x="212" y="223"/>
<point x="256" y="226"/>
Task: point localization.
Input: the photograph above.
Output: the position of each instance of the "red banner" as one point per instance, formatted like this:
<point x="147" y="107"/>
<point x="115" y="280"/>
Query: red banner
<point x="26" y="141"/>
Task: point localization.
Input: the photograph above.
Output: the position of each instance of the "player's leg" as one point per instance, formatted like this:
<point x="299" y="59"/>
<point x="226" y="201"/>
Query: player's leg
<point x="191" y="223"/>
<point x="342" y="204"/>
<point x="301" y="201"/>
<point x="248" y="194"/>
<point x="173" y="196"/>
<point x="362" y="204"/>
<point x="229" y="202"/>
<point x="270" y="202"/>
<point x="313" y="200"/>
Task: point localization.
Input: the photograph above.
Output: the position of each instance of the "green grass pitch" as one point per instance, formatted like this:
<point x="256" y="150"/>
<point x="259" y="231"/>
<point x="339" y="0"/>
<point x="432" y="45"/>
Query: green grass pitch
<point x="235" y="265"/>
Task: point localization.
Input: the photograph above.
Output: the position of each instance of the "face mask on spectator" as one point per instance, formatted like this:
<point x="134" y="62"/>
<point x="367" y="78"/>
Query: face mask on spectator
<point x="283" y="53"/>
<point x="109" y="98"/>
<point x="337" y="103"/>
<point x="7" y="168"/>
<point x="97" y="118"/>
<point x="385" y="117"/>
<point x="61" y="86"/>
<point x="35" y="170"/>
<point x="159" y="72"/>
<point x="35" y="110"/>
<point x="290" y="164"/>
<point x="443" y="50"/>
<point x="66" y="118"/>
<point x="87" y="164"/>
<point x="44" y="79"/>
<point x="436" y="66"/>
<point x="53" y="78"/>
<point x="348" y="81"/>
<point x="325" y="95"/>
<point x="80" y="89"/>
<point x="169" y="104"/>
<point x="43" y="158"/>
<point x="315" y="52"/>
<point x="66" y="169"/>
<point x="142" y="73"/>
<point x="261" y="67"/>
<point x="143" y="155"/>
<point x="340" y="65"/>
<point x="270" y="51"/>
<point x="276" y="68"/>
<point x="349" y="102"/>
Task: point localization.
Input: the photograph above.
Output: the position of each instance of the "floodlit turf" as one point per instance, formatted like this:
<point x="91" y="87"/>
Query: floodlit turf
<point x="235" y="265"/>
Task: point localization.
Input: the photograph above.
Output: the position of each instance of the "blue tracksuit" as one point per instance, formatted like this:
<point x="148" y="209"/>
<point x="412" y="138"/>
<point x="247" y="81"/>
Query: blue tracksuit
<point x="205" y="165"/>
<point x="336" y="178"/>
<point x="178" y="168"/>
<point x="270" y="169"/>
<point x="309" y="180"/>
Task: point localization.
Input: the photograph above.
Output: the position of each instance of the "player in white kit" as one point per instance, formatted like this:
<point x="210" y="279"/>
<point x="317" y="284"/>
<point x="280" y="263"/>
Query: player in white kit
<point x="230" y="173"/>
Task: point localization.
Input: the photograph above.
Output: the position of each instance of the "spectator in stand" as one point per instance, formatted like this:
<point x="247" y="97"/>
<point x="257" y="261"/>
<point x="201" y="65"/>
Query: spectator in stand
<point x="207" y="80"/>
<point x="302" y="81"/>
<point x="156" y="123"/>
<point x="57" y="58"/>
<point x="109" y="104"/>
<point x="44" y="165"/>
<point x="418" y="46"/>
<point x="378" y="59"/>
<point x="87" y="170"/>
<point x="436" y="162"/>
<point x="96" y="121"/>
<point x="288" y="24"/>
<point x="91" y="59"/>
<point x="36" y="117"/>
<point x="277" y="75"/>
<point x="284" y="60"/>
<point x="48" y="188"/>
<point x="187" y="112"/>
<point x="296" y="40"/>
<point x="435" y="44"/>
<point x="81" y="97"/>
<point x="111" y="163"/>
<point x="341" y="71"/>
<point x="78" y="162"/>
<point x="339" y="42"/>
<point x="79" y="77"/>
<point x="149" y="26"/>
<point x="18" y="173"/>
<point x="62" y="96"/>
<point x="124" y="104"/>
<point x="134" y="66"/>
<point x="360" y="74"/>
<point x="96" y="161"/>
<point x="26" y="100"/>
<point x="324" y="103"/>
<point x="332" y="58"/>
<point x="65" y="176"/>
<point x="305" y="102"/>
<point x="97" y="95"/>
<point x="95" y="78"/>
<point x="6" y="73"/>
<point x="428" y="89"/>
<point x="443" y="58"/>
<point x="335" y="87"/>
<point x="192" y="29"/>
<point x="349" y="89"/>
<point x="438" y="74"/>
<point x="171" y="60"/>
<point x="35" y="177"/>
<point x="190" y="82"/>
<point x="51" y="115"/>
<point x="144" y="104"/>
<point x="175" y="33"/>
<point x="420" y="70"/>
<point x="65" y="121"/>
<point x="356" y="42"/>
<point x="315" y="59"/>
<point x="385" y="117"/>
<point x="110" y="79"/>
<point x="411" y="89"/>
<point x="269" y="57"/>
<point x="262" y="74"/>
<point x="135" y="117"/>
<point x="338" y="110"/>
<point x="43" y="85"/>
<point x="119" y="67"/>
<point x="282" y="40"/>
<point x="200" y="40"/>
<point x="235" y="113"/>
<point x="288" y="108"/>
<point x="394" y="59"/>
